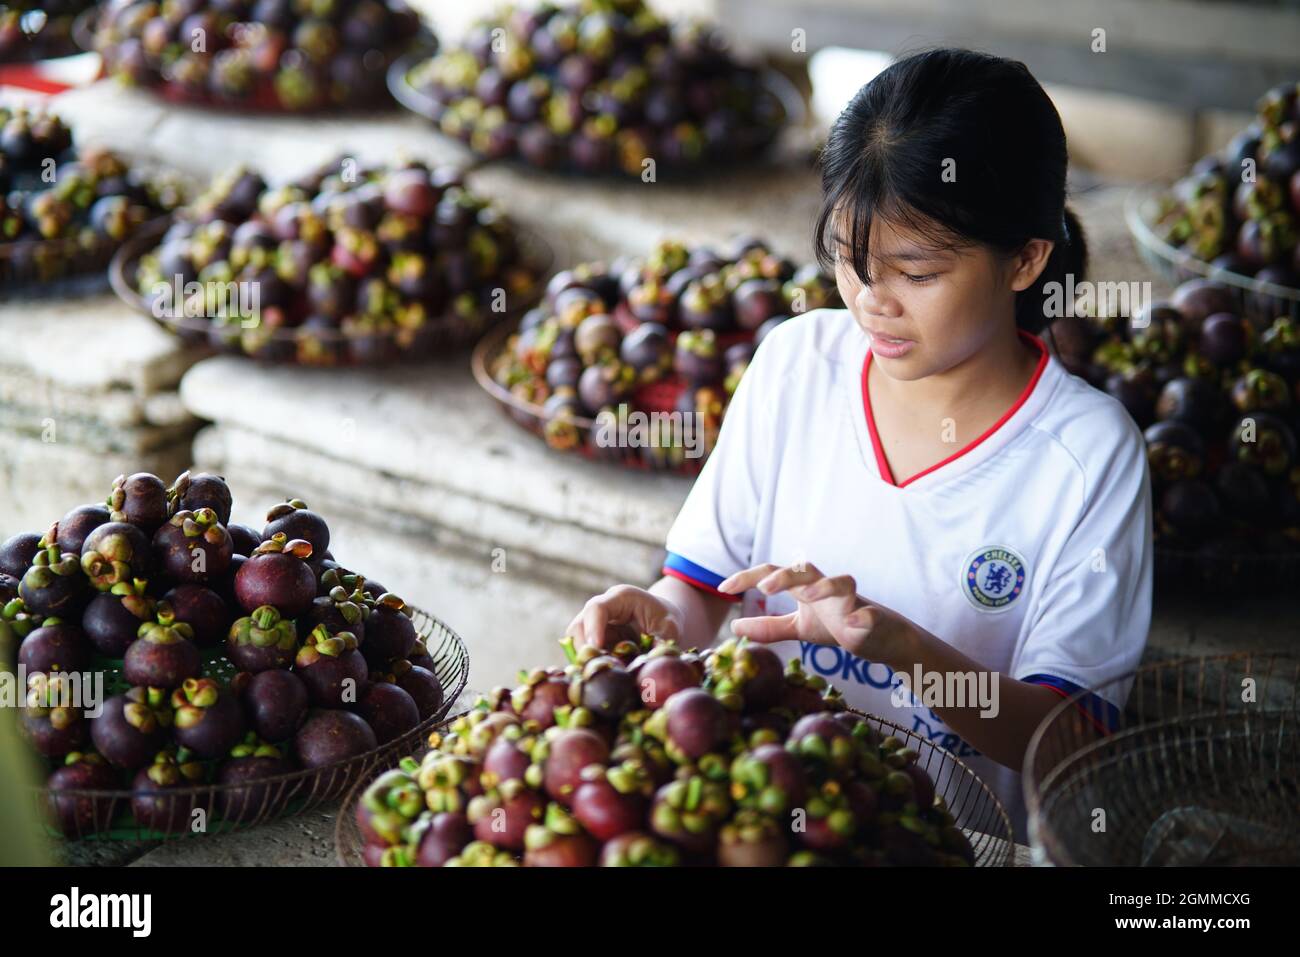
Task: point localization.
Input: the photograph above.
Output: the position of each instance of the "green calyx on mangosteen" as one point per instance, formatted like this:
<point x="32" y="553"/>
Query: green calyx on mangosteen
<point x="193" y="547"/>
<point x="262" y="640"/>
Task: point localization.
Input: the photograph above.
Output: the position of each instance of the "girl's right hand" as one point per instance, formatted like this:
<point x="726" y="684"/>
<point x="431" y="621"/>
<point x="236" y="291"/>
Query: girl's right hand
<point x="625" y="605"/>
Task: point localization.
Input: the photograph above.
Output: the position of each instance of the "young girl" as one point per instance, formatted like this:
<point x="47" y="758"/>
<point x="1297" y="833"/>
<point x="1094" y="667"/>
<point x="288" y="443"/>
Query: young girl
<point x="914" y="482"/>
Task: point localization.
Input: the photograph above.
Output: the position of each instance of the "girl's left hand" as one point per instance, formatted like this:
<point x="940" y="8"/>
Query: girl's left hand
<point x="830" y="612"/>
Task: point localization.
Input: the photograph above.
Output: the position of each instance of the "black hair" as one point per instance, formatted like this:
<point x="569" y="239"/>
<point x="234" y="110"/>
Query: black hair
<point x="986" y="122"/>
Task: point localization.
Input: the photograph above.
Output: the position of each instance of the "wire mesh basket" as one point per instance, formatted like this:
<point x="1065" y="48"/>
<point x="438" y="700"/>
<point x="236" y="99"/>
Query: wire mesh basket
<point x="1204" y="769"/>
<point x="106" y="814"/>
<point x="1257" y="300"/>
<point x="976" y="809"/>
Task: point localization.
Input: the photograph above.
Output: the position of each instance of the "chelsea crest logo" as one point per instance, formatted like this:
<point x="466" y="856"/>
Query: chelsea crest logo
<point x="993" y="577"/>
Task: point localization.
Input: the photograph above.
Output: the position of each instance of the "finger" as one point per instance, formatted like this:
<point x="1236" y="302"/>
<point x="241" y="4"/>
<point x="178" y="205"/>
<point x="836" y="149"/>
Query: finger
<point x="742" y="581"/>
<point x="767" y="628"/>
<point x="841" y="586"/>
<point x="576" y="631"/>
<point x="594" y="619"/>
<point x="864" y="618"/>
<point x="786" y="578"/>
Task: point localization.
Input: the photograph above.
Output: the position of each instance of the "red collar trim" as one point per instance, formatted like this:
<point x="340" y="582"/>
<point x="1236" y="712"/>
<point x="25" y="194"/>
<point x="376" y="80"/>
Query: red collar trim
<point x="883" y="464"/>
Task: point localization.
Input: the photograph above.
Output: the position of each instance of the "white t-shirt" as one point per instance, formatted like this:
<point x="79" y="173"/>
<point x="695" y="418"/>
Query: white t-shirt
<point x="1029" y="550"/>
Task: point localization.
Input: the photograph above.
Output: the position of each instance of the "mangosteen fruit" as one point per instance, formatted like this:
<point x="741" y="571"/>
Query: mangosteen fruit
<point x="501" y="816"/>
<point x="1260" y="390"/>
<point x="612" y="801"/>
<point x="390" y="711"/>
<point x="756" y="301"/>
<point x="116" y="552"/>
<point x="139" y="500"/>
<point x="1198" y="299"/>
<point x="770" y="779"/>
<point x="1244" y="491"/>
<point x="752" y="673"/>
<point x="262" y="641"/>
<point x="208" y="719"/>
<point x="203" y="610"/>
<point x="564" y="754"/>
<point x="332" y="669"/>
<point x="647" y="350"/>
<point x="688" y="811"/>
<point x="246" y="791"/>
<point x="605" y="687"/>
<point x="822" y="738"/>
<point x="17" y="552"/>
<point x="80" y="814"/>
<point x="1174" y="450"/>
<point x="275" y="703"/>
<point x="705" y="303"/>
<point x="192" y="492"/>
<point x="558" y="841"/>
<point x="697" y="356"/>
<point x="694" y="723"/>
<point x="1191" y="508"/>
<point x="113" y="618"/>
<point x="422" y="685"/>
<point x="192" y="547"/>
<point x="77" y="524"/>
<point x="388" y="806"/>
<point x="1264" y="440"/>
<point x="54" y="584"/>
<point x="1223" y="338"/>
<point x="161" y="797"/>
<point x="295" y="520"/>
<point x="639" y="849"/>
<point x="751" y="839"/>
<point x="537" y="699"/>
<point x="277" y="574"/>
<point x="132" y="727"/>
<point x="331" y="736"/>
<point x="49" y="722"/>
<point x="55" y="646"/>
<point x="440" y="837"/>
<point x="1197" y="403"/>
<point x="389" y="631"/>
<point x="337" y="611"/>
<point x="164" y="654"/>
<point x="663" y="672"/>
<point x="243" y="539"/>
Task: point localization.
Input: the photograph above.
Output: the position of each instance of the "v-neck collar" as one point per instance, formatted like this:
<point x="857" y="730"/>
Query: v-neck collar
<point x="882" y="463"/>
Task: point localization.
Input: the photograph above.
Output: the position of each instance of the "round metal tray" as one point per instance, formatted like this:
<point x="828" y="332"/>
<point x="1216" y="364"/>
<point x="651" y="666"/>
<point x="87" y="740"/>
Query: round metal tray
<point x="286" y="794"/>
<point x="976" y="809"/>
<point x="775" y="83"/>
<point x="290" y="346"/>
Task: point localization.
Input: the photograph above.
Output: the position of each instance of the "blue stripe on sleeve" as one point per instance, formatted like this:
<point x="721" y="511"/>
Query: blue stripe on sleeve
<point x="693" y="571"/>
<point x="1101" y="710"/>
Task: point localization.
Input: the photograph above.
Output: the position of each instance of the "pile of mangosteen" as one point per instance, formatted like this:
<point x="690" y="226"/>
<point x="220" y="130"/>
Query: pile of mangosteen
<point x="649" y="756"/>
<point x="351" y="263"/>
<point x="261" y="54"/>
<point x="674" y="331"/>
<point x="52" y="190"/>
<point x="1219" y="399"/>
<point x="39" y="30"/>
<point x="1240" y="209"/>
<point x="598" y="86"/>
<point x="230" y="656"/>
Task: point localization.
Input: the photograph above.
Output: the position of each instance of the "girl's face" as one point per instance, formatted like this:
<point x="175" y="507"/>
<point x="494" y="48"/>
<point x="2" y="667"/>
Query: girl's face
<point x="928" y="310"/>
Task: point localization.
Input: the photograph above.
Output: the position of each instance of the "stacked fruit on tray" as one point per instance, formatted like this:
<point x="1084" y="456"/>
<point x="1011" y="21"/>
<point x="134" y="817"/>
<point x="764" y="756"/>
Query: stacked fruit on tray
<point x="649" y="756"/>
<point x="350" y="263"/>
<point x="52" y="190"/>
<point x="1219" y="400"/>
<point x="34" y="31"/>
<point x="265" y="54"/>
<point x="1240" y="209"/>
<point x="598" y="85"/>
<point x="671" y="332"/>
<point x="231" y="655"/>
